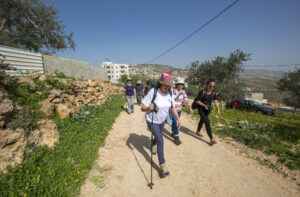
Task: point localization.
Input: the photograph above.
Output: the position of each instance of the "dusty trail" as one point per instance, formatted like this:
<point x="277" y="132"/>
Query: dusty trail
<point x="196" y="168"/>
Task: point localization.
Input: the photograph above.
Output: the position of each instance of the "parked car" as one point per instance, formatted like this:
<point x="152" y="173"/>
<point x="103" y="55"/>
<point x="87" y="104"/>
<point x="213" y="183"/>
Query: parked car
<point x="234" y="104"/>
<point x="250" y="106"/>
<point x="257" y="107"/>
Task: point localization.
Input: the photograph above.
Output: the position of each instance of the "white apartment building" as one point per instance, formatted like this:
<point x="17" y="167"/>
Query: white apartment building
<point x="115" y="70"/>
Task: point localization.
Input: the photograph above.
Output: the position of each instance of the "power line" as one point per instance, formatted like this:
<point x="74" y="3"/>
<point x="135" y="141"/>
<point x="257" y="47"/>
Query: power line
<point x="196" y="31"/>
<point x="280" y="65"/>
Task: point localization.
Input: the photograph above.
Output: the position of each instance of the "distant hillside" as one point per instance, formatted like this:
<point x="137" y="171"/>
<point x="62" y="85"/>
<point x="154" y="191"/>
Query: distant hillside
<point x="158" y="67"/>
<point x="155" y="70"/>
<point x="264" y="81"/>
<point x="262" y="74"/>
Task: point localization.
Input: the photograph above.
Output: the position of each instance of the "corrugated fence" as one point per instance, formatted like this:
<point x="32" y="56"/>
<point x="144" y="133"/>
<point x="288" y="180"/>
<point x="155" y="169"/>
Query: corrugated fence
<point x="24" y="61"/>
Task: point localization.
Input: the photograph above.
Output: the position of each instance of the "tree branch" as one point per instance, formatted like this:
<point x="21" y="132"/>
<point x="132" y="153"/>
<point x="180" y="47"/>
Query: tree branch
<point x="31" y="21"/>
<point x="2" y="24"/>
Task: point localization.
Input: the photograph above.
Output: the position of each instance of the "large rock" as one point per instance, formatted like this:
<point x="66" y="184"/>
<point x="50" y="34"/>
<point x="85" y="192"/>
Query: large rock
<point x="6" y="106"/>
<point x="63" y="111"/>
<point x="74" y="109"/>
<point x="45" y="134"/>
<point x="35" y="74"/>
<point x="47" y="107"/>
<point x="54" y="94"/>
<point x="26" y="79"/>
<point x="12" y="146"/>
<point x="56" y="101"/>
<point x="242" y="122"/>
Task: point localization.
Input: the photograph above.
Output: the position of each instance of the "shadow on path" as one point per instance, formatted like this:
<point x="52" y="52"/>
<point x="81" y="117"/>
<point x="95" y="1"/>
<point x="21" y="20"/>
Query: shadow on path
<point x="167" y="135"/>
<point x="124" y="108"/>
<point x="141" y="143"/>
<point x="193" y="134"/>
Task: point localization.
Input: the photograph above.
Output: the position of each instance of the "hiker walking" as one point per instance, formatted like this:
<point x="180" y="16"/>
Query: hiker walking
<point x="130" y="95"/>
<point x="147" y="87"/>
<point x="204" y="102"/>
<point x="180" y="97"/>
<point x="139" y="92"/>
<point x="157" y="104"/>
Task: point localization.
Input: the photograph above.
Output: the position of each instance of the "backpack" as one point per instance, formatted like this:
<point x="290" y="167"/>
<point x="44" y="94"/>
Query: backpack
<point x="204" y="93"/>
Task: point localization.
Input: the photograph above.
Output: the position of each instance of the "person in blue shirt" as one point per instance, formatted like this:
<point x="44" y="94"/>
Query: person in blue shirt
<point x="130" y="95"/>
<point x="139" y="87"/>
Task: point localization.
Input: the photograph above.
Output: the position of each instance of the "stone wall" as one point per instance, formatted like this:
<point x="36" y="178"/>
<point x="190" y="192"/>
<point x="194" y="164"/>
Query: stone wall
<point x="73" y="68"/>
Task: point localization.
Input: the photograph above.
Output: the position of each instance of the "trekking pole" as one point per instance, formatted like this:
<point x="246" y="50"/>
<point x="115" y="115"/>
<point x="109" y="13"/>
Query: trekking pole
<point x="151" y="183"/>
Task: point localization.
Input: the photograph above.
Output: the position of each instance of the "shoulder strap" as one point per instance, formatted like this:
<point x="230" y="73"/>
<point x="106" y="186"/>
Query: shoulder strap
<point x="170" y="92"/>
<point x="154" y="95"/>
<point x="178" y="96"/>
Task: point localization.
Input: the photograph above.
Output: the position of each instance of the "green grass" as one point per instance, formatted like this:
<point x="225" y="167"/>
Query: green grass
<point x="275" y="135"/>
<point x="60" y="171"/>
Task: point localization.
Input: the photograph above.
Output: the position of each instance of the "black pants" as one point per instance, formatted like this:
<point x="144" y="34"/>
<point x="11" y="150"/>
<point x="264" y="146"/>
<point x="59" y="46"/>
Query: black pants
<point x="204" y="118"/>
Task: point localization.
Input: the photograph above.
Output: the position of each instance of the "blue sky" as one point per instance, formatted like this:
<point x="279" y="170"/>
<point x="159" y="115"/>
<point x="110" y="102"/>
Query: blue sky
<point x="136" y="31"/>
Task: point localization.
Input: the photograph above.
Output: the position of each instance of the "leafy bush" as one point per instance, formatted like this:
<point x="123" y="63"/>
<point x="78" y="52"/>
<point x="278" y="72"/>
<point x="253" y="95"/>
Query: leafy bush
<point x="61" y="171"/>
<point x="5" y="79"/>
<point x="25" y="119"/>
<point x="60" y="75"/>
<point x="192" y="91"/>
<point x="28" y="98"/>
<point x="56" y="84"/>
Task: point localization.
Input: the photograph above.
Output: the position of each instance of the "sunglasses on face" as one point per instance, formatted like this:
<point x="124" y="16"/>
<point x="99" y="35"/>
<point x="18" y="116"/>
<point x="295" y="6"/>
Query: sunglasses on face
<point x="211" y="86"/>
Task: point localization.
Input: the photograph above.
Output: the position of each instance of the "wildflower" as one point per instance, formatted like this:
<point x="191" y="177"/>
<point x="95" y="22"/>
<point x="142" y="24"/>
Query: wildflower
<point x="38" y="178"/>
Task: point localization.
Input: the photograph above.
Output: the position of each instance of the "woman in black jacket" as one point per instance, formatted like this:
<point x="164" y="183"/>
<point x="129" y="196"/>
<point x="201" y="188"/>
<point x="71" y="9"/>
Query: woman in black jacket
<point x="204" y="102"/>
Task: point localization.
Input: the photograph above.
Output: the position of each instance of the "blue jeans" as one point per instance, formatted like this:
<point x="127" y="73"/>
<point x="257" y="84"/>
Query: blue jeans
<point x="174" y="123"/>
<point x="139" y="97"/>
<point x="158" y="139"/>
<point x="130" y="102"/>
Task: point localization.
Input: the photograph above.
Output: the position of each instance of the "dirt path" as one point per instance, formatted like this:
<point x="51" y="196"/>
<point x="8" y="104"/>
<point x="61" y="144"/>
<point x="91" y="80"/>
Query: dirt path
<point x="196" y="168"/>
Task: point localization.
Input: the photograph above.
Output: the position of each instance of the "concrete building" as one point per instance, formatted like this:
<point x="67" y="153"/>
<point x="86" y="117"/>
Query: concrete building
<point x="258" y="97"/>
<point x="115" y="70"/>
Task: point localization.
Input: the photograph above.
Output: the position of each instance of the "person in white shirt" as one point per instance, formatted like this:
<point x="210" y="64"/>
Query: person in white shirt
<point x="157" y="112"/>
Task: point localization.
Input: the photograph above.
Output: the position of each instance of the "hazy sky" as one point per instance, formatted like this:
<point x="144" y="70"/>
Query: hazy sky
<point x="136" y="31"/>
